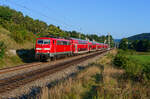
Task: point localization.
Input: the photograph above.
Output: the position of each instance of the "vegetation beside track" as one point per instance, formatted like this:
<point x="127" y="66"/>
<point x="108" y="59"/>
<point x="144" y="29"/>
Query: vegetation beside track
<point x="102" y="80"/>
<point x="136" y="64"/>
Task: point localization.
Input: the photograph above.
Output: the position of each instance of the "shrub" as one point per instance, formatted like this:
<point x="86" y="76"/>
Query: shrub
<point x="134" y="69"/>
<point x="21" y="35"/>
<point x="146" y="71"/>
<point x="2" y="49"/>
<point x="120" y="60"/>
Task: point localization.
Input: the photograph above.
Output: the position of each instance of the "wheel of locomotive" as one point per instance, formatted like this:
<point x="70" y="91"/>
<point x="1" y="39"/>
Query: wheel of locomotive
<point x="49" y="59"/>
<point x="70" y="55"/>
<point x="66" y="55"/>
<point x="53" y="58"/>
<point x="43" y="60"/>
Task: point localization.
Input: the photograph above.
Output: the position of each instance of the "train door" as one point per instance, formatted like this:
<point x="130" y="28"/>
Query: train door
<point x="54" y="46"/>
<point x="96" y="47"/>
<point x="76" y="49"/>
<point x="57" y="47"/>
<point x="88" y="47"/>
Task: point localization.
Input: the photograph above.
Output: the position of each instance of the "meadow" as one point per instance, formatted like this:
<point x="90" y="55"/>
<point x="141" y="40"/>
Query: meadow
<point x="142" y="58"/>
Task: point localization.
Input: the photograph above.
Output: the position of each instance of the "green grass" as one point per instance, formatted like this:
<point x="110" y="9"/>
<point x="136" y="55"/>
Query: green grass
<point x="141" y="58"/>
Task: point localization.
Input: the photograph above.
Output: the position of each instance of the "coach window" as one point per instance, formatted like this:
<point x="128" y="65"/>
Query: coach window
<point x="58" y="43"/>
<point x="64" y="43"/>
<point x="53" y="42"/>
<point x="68" y="43"/>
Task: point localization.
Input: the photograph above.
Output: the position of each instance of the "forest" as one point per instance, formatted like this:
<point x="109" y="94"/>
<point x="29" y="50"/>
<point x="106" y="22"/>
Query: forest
<point x="25" y="28"/>
<point x="142" y="45"/>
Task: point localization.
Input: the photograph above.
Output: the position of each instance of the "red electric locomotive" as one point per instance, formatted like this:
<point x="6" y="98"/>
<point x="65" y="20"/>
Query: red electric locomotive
<point x="48" y="47"/>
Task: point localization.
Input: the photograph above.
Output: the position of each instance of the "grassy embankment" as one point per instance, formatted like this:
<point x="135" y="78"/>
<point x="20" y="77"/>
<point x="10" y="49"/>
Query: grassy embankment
<point x="102" y="80"/>
<point x="10" y="59"/>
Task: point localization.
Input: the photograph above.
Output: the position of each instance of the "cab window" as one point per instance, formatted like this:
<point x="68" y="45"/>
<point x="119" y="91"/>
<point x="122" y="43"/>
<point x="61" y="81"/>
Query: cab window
<point x="43" y="41"/>
<point x="46" y="41"/>
<point x="40" y="41"/>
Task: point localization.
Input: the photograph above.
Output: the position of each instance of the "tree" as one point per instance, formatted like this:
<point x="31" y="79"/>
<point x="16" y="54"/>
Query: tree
<point x="123" y="44"/>
<point x="143" y="45"/>
<point x="133" y="44"/>
<point x="5" y="13"/>
<point x="25" y="28"/>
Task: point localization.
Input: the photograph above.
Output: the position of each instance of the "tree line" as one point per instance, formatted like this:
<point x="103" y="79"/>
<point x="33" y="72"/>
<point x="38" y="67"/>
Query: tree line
<point x="25" y="28"/>
<point x="138" y="45"/>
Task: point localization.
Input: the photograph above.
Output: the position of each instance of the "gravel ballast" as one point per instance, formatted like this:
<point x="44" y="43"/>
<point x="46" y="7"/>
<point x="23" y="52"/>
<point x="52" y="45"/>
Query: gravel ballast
<point x="45" y="81"/>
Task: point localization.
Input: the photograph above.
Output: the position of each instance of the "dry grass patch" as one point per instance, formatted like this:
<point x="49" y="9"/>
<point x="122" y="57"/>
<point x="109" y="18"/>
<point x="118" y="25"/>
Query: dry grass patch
<point x="73" y="87"/>
<point x="82" y="86"/>
<point x="100" y="83"/>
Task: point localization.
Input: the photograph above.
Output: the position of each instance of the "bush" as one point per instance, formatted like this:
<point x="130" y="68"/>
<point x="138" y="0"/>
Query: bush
<point x="120" y="60"/>
<point x="21" y="35"/>
<point x="133" y="68"/>
<point x="146" y="71"/>
<point x="2" y="49"/>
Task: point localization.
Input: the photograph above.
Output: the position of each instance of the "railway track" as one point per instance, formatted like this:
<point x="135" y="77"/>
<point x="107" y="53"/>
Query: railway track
<point x="13" y="82"/>
<point x="10" y="69"/>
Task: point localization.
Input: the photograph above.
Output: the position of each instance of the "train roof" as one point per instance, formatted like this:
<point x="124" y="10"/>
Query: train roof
<point x="78" y="39"/>
<point x="68" y="38"/>
<point x="53" y="38"/>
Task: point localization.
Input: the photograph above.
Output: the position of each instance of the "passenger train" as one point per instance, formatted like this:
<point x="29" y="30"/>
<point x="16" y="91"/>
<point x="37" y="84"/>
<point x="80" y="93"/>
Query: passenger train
<point x="50" y="47"/>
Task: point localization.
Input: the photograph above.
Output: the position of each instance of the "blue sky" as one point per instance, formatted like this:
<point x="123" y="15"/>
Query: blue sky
<point x="122" y="18"/>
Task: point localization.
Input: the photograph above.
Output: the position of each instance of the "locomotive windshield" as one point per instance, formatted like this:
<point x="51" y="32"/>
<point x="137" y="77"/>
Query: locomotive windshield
<point x="43" y="41"/>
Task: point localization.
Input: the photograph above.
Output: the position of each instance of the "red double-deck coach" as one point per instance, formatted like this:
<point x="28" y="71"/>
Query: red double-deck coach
<point x="79" y="46"/>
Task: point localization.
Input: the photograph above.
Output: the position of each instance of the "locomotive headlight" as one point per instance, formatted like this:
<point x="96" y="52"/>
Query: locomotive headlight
<point x="46" y="48"/>
<point x="38" y="49"/>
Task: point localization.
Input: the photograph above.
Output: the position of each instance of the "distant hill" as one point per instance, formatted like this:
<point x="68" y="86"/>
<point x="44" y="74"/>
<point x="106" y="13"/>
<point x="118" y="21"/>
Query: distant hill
<point x="140" y="36"/>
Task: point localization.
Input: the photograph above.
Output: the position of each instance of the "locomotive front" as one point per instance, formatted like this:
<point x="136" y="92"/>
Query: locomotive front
<point x="43" y="48"/>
